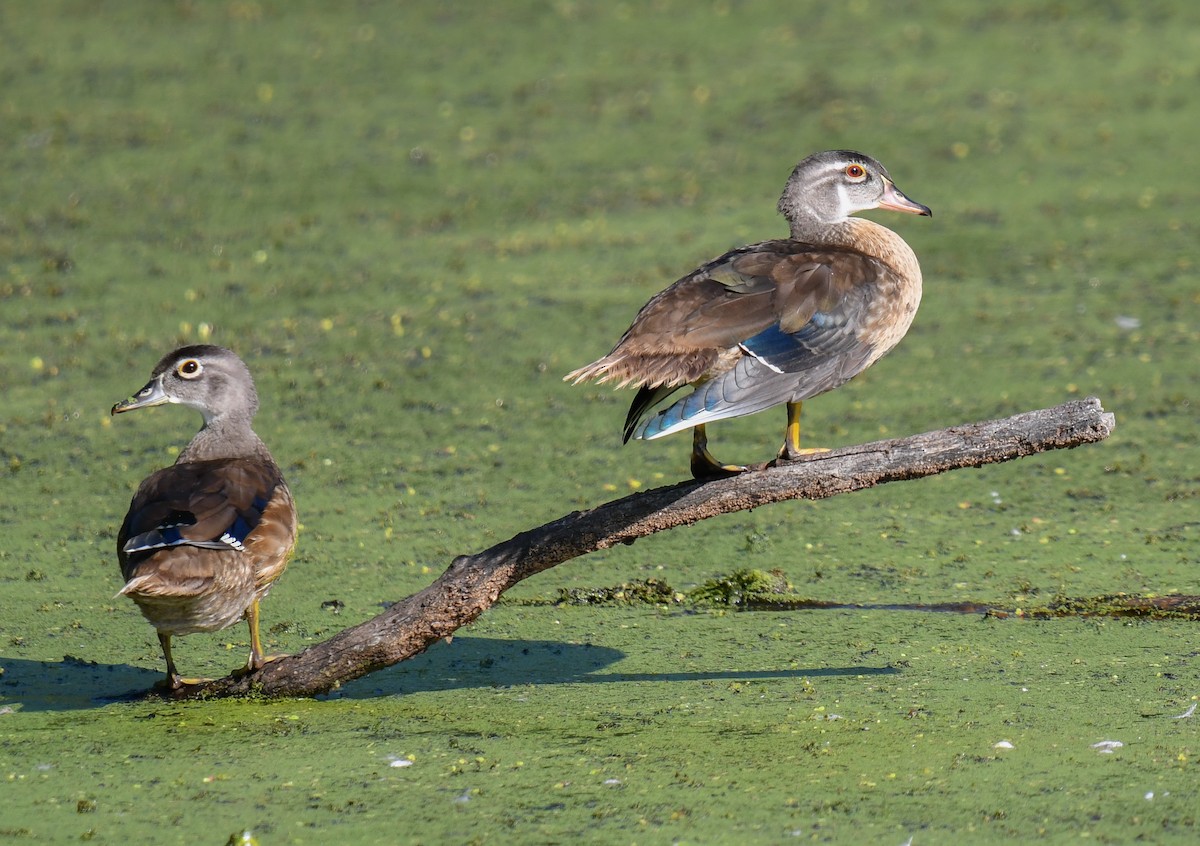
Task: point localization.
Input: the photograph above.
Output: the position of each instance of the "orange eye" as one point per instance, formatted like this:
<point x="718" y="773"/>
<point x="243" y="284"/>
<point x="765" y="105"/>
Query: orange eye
<point x="856" y="172"/>
<point x="189" y="369"/>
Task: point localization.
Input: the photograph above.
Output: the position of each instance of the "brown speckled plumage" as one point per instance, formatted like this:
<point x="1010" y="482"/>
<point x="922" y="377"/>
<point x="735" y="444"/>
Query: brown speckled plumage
<point x="205" y="538"/>
<point x="778" y="321"/>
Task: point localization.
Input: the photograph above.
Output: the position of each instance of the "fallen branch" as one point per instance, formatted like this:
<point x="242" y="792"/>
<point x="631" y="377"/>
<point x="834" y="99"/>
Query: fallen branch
<point x="1172" y="607"/>
<point x="473" y="583"/>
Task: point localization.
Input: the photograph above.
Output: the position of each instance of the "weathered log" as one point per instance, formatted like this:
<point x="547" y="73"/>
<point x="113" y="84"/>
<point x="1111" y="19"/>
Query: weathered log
<point x="473" y="583"/>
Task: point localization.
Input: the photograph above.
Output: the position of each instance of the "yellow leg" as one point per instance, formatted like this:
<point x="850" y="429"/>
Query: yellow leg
<point x="704" y="466"/>
<point x="791" y="440"/>
<point x="257" y="659"/>
<point x="173" y="681"/>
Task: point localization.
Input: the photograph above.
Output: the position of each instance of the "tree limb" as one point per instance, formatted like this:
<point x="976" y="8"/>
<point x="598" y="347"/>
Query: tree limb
<point x="473" y="583"/>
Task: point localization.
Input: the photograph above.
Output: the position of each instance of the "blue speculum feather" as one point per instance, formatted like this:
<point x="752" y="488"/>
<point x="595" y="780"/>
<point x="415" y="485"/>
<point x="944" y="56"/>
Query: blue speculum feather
<point x="236" y="534"/>
<point x="663" y="420"/>
<point x="770" y="343"/>
<point x="159" y="538"/>
<point x="768" y="346"/>
<point x="788" y="351"/>
<point x="169" y="534"/>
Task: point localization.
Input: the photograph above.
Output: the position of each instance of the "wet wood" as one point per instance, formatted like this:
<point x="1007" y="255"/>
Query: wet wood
<point x="473" y="583"/>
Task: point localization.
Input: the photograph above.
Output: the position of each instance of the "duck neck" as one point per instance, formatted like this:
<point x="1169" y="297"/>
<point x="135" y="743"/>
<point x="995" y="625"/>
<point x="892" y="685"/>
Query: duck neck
<point x="865" y="236"/>
<point x="811" y="229"/>
<point x="224" y="436"/>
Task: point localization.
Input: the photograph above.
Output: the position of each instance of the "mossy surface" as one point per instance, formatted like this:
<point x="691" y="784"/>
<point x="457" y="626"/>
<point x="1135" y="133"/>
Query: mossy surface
<point x="411" y="220"/>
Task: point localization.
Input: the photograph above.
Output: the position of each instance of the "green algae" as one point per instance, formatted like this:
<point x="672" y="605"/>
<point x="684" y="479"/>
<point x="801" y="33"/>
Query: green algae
<point x="756" y="590"/>
<point x="638" y="592"/>
<point x="411" y="221"/>
<point x="665" y="732"/>
<point x="742" y="587"/>
<point x="1120" y="605"/>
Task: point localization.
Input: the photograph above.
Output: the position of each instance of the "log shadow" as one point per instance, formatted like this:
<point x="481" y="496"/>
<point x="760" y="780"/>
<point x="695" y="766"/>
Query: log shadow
<point x="473" y="662"/>
<point x="74" y="684"/>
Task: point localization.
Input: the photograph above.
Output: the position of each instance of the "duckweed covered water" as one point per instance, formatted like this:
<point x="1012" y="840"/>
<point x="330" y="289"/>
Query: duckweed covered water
<point x="411" y="222"/>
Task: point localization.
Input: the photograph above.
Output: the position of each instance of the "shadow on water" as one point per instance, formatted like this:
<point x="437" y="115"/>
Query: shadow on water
<point x="469" y="662"/>
<point x="466" y="662"/>
<point x="70" y="684"/>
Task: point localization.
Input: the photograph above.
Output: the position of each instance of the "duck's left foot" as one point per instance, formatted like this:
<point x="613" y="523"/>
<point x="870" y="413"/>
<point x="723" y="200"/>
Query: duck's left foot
<point x="174" y="682"/>
<point x="705" y="467"/>
<point x="790" y="454"/>
<point x="257" y="662"/>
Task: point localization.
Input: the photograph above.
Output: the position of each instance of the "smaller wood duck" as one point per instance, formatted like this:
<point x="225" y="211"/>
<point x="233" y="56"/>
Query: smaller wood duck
<point x="775" y="322"/>
<point x="206" y="538"/>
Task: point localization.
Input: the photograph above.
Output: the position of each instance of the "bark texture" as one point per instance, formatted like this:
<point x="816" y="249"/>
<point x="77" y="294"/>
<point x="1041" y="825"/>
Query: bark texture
<point x="473" y="583"/>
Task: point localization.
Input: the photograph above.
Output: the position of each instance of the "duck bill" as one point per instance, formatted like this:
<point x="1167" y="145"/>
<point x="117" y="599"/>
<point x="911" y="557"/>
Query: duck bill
<point x="894" y="199"/>
<point x="152" y="394"/>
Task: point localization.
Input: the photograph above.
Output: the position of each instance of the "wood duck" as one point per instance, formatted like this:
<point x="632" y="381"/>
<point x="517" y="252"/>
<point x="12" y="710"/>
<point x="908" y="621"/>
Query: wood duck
<point x="777" y="321"/>
<point x="206" y="538"/>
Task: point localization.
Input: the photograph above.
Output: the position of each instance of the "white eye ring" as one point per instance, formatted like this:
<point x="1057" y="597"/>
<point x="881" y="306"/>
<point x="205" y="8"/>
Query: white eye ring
<point x="189" y="369"/>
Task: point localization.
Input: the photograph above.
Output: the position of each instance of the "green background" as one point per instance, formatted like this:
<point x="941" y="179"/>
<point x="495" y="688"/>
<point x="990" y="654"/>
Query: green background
<point x="411" y="220"/>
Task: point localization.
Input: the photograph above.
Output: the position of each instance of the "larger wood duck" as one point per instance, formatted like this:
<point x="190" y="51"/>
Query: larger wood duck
<point x="206" y="538"/>
<point x="775" y="322"/>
